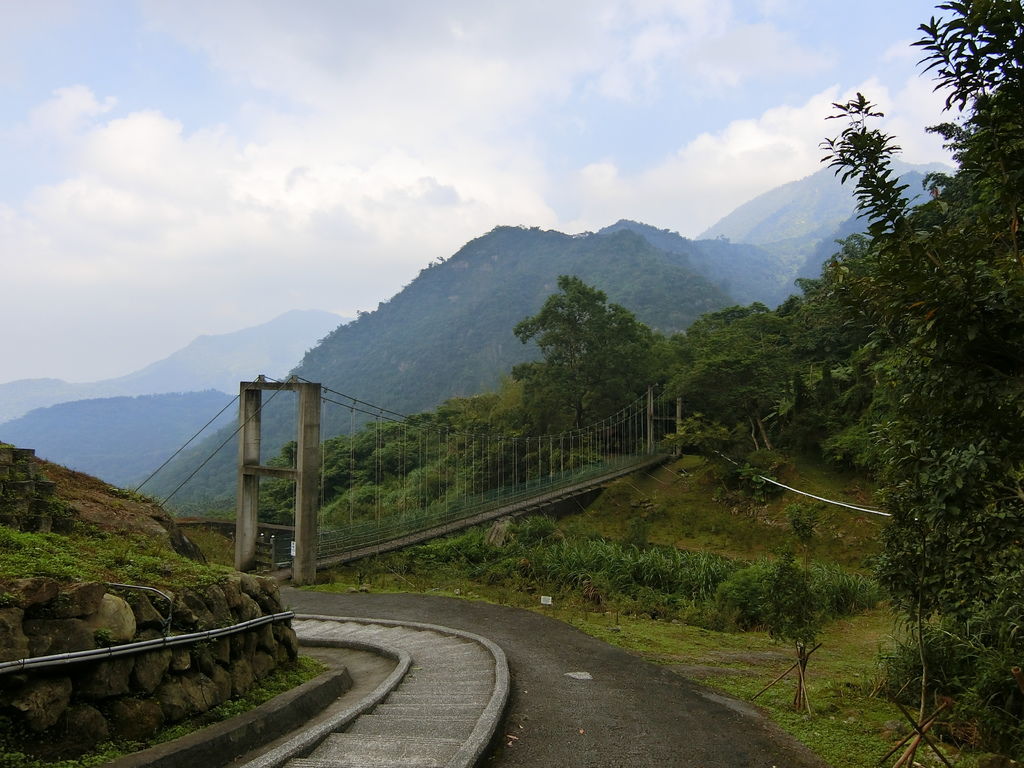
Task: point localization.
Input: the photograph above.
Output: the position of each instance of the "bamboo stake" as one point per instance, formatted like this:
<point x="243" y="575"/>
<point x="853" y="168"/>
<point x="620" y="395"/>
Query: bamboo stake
<point x="921" y="735"/>
<point x="791" y="668"/>
<point x="927" y="723"/>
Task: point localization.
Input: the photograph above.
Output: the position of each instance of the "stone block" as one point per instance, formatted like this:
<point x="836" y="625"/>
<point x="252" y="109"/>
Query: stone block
<point x="203" y="617"/>
<point x="181" y="660"/>
<point x="35" y="591"/>
<point x="217" y="604"/>
<point x="81" y="728"/>
<point x="50" y="636"/>
<point x="222" y="679"/>
<point x="263" y="664"/>
<point x="14" y="644"/>
<point x="146" y="616"/>
<point x="150" y="669"/>
<point x="135" y="719"/>
<point x="114" y="618"/>
<point x="232" y="589"/>
<point x="42" y="701"/>
<point x="242" y="677"/>
<point x="104" y="679"/>
<point x="249" y="609"/>
<point x="81" y="599"/>
<point x="173" y="701"/>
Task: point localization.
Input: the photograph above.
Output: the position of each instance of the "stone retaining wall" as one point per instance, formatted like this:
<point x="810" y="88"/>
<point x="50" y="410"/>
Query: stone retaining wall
<point x="70" y="708"/>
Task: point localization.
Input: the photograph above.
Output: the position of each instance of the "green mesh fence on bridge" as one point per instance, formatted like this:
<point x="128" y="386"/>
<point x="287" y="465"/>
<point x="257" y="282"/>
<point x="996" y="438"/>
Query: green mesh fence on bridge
<point x="335" y="542"/>
<point x="368" y="533"/>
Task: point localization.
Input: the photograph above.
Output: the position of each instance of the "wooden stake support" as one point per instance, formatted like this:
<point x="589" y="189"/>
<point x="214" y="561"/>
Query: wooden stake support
<point x="920" y="734"/>
<point x="800" y="700"/>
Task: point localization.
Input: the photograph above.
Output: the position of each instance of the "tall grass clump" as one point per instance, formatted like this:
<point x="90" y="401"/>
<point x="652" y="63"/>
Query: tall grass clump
<point x="842" y="593"/>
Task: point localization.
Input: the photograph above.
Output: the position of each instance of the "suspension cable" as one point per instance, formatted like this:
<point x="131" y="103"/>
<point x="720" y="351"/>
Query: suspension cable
<point x="218" y="448"/>
<point x="171" y="458"/>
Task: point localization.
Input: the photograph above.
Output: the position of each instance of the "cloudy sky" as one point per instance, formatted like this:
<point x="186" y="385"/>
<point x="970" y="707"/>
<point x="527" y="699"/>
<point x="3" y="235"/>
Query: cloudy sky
<point x="169" y="169"/>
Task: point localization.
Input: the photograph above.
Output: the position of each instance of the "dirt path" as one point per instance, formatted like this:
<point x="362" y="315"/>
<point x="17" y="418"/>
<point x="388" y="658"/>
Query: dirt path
<point x="577" y="701"/>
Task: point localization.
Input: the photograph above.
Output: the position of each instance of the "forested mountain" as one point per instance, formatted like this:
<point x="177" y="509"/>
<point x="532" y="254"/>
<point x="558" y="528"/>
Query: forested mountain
<point x="450" y="331"/>
<point x="209" y="362"/>
<point x="748" y="273"/>
<point x="119" y="439"/>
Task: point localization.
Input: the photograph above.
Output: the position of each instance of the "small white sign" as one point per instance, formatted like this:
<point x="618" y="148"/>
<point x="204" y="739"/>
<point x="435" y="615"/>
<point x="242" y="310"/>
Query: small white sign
<point x="545" y="599"/>
<point x="293" y="547"/>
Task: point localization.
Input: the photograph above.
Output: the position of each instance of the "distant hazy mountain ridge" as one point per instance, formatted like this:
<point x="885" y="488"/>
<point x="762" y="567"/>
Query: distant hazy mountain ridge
<point x="120" y="439"/>
<point x="208" y="362"/>
<point x="790" y="221"/>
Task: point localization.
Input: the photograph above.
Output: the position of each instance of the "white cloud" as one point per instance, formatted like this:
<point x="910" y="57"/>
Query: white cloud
<point x="376" y="137"/>
<point x="68" y="111"/>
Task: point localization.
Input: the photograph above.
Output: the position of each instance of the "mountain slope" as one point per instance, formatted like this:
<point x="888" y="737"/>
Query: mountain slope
<point x="450" y="331"/>
<point x="208" y="362"/>
<point x="790" y="220"/>
<point x="747" y="273"/>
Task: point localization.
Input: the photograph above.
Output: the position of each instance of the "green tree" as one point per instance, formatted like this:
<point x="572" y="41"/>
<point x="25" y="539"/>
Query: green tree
<point x="596" y="356"/>
<point x="945" y="289"/>
<point x="737" y="367"/>
<point x="944" y="286"/>
<point x="791" y="613"/>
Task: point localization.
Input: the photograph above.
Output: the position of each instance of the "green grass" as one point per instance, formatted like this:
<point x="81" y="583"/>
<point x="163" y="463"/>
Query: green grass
<point x="88" y="554"/>
<point x="218" y="548"/>
<point x="684" y="505"/>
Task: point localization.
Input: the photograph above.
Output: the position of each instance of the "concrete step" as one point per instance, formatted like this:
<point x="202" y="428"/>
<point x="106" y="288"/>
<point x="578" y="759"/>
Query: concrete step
<point x="463" y="653"/>
<point x="455" y="674"/>
<point x="349" y="750"/>
<point x="429" y="725"/>
<point x="428" y="718"/>
<point x="448" y="711"/>
<point x="478" y="698"/>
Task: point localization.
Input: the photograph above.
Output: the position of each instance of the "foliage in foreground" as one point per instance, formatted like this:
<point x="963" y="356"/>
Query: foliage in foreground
<point x="943" y="287"/>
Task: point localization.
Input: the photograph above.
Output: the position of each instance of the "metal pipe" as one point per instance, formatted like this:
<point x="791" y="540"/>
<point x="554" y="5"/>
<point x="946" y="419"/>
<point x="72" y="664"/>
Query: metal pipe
<point x="130" y="649"/>
<point x="165" y="622"/>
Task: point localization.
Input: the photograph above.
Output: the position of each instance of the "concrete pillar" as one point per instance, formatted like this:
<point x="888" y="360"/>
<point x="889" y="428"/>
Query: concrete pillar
<point x="247" y="505"/>
<point x="307" y="484"/>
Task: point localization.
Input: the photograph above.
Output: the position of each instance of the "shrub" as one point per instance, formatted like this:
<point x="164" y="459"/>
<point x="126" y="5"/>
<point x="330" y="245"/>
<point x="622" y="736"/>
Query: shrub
<point x="534" y="529"/>
<point x="740" y="598"/>
<point x="841" y="593"/>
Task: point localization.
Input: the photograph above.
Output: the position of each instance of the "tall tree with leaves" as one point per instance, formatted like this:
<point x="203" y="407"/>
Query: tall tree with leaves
<point x="595" y="355"/>
<point x="737" y="366"/>
<point x="944" y="286"/>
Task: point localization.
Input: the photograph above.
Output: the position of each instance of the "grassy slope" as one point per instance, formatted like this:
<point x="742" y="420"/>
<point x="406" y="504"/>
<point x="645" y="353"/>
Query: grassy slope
<point x="684" y="506"/>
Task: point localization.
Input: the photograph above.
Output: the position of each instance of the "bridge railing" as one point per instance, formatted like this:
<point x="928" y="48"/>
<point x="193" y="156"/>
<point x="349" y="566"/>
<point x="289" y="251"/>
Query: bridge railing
<point x="337" y="541"/>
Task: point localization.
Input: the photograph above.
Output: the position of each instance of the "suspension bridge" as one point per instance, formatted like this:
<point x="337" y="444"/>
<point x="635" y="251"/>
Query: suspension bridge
<point x="401" y="479"/>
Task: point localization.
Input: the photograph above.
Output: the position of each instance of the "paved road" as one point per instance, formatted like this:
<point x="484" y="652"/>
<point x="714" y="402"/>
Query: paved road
<point x="630" y="714"/>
